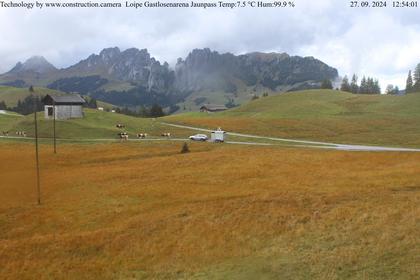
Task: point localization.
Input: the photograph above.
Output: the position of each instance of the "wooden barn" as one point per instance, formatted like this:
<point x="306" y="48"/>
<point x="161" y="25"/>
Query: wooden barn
<point x="213" y="108"/>
<point x="68" y="106"/>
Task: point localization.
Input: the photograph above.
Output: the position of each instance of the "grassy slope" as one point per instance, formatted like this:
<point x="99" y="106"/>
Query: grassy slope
<point x="95" y="124"/>
<point x="11" y="95"/>
<point x="7" y="121"/>
<point x="32" y="79"/>
<point x="142" y="210"/>
<point x="243" y="96"/>
<point x="322" y="115"/>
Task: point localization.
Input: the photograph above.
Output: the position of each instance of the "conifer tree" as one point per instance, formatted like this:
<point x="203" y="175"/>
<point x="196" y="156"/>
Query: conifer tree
<point x="370" y="86"/>
<point x="416" y="78"/>
<point x="354" y="87"/>
<point x="156" y="111"/>
<point x="363" y="86"/>
<point x="345" y="86"/>
<point x="409" y="84"/>
<point x="3" y="105"/>
<point x="326" y="84"/>
<point x="376" y="87"/>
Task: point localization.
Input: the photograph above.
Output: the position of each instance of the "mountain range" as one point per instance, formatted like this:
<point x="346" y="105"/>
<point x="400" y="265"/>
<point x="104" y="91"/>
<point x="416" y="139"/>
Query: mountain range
<point x="132" y="77"/>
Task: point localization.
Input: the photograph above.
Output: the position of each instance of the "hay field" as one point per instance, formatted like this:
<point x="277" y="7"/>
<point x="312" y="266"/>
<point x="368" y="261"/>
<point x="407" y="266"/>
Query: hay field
<point x="145" y="211"/>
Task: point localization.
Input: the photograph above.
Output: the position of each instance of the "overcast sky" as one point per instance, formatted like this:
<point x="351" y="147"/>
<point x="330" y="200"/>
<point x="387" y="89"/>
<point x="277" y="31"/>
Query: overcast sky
<point x="383" y="43"/>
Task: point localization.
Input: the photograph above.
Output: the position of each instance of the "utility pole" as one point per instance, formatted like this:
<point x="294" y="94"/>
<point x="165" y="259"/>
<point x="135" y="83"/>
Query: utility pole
<point x="55" y="141"/>
<point x="38" y="184"/>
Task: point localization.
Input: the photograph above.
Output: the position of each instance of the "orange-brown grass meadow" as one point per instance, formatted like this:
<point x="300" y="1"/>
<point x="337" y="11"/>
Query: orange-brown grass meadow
<point x="145" y="211"/>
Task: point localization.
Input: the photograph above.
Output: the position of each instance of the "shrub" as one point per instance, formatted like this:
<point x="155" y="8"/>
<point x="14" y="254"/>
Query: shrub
<point x="185" y="149"/>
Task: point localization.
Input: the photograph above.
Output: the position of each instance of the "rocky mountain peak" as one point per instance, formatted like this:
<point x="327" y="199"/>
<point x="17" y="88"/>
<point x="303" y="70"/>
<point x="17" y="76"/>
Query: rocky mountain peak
<point x="131" y="65"/>
<point x="267" y="57"/>
<point x="109" y="54"/>
<point x="37" y="64"/>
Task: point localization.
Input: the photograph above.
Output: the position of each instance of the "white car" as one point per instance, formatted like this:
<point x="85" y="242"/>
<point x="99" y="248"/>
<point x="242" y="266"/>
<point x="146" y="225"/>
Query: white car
<point x="199" y="137"/>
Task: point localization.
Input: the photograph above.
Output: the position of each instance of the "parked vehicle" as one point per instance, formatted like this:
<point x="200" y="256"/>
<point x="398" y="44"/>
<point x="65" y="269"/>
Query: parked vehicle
<point x="199" y="137"/>
<point x="218" y="136"/>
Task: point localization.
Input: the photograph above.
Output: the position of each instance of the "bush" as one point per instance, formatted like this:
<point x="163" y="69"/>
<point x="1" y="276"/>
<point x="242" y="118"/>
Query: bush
<point x="326" y="84"/>
<point x="185" y="149"/>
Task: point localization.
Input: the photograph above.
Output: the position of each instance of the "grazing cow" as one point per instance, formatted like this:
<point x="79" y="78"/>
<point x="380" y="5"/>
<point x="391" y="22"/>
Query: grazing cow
<point x="123" y="135"/>
<point x="141" y="135"/>
<point x="5" y="133"/>
<point x="21" y="133"/>
<point x="166" y="134"/>
<point x="119" y="125"/>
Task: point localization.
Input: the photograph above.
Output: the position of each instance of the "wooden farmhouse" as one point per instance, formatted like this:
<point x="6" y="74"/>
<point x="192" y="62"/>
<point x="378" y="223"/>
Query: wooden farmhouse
<point x="68" y="106"/>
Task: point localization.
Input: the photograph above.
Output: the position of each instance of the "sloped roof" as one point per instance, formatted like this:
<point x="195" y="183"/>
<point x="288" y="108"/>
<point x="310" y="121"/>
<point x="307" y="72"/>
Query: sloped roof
<point x="64" y="99"/>
<point x="212" y="107"/>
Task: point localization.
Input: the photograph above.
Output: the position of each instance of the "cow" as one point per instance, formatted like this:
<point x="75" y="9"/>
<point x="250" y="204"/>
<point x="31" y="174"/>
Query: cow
<point x="119" y="125"/>
<point x="123" y="136"/>
<point x="21" y="133"/>
<point x="141" y="135"/>
<point x="5" y="133"/>
<point x="166" y="134"/>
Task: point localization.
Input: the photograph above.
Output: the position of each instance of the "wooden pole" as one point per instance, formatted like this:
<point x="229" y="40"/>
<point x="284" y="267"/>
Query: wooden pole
<point x="55" y="141"/>
<point x="38" y="183"/>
